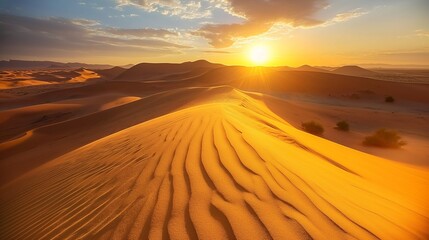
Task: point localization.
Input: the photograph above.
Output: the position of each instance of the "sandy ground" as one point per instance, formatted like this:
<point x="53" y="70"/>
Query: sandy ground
<point x="409" y="119"/>
<point x="169" y="160"/>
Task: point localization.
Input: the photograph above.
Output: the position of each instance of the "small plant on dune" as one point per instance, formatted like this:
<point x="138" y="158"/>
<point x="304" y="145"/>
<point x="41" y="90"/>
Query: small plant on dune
<point x="389" y="99"/>
<point x="343" y="126"/>
<point x="384" y="138"/>
<point x="313" y="127"/>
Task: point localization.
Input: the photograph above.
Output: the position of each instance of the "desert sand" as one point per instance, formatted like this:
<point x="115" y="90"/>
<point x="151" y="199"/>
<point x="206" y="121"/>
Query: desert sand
<point x="211" y="152"/>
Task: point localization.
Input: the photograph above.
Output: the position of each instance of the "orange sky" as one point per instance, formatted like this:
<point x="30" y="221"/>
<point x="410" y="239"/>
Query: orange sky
<point x="315" y="32"/>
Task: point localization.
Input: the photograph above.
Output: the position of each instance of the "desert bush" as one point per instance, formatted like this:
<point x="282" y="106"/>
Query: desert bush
<point x="384" y="138"/>
<point x="389" y="99"/>
<point x="313" y="127"/>
<point x="343" y="126"/>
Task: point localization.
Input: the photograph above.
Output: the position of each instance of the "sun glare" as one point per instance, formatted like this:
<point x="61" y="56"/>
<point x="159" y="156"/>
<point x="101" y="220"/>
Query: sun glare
<point x="259" y="55"/>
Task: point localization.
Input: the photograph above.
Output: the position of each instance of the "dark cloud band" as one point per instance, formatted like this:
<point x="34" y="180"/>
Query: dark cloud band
<point x="50" y="37"/>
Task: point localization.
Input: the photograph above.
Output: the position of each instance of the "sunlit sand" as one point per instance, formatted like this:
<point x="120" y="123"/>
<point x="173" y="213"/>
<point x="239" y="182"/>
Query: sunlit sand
<point x="195" y="156"/>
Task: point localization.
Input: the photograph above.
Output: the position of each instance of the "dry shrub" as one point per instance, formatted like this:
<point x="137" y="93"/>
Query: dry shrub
<point x="384" y="138"/>
<point x="313" y="127"/>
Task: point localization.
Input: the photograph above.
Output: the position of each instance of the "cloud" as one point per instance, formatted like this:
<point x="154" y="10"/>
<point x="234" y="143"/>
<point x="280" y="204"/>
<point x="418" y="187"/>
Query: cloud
<point x="422" y="33"/>
<point x="142" y="32"/>
<point x="342" y="17"/>
<point x="136" y="42"/>
<point x="260" y="16"/>
<point x="22" y="37"/>
<point x="224" y="35"/>
<point x="184" y="9"/>
<point x="85" y="22"/>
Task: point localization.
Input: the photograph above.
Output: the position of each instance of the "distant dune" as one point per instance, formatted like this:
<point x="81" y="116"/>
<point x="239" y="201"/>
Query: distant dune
<point x="310" y="69"/>
<point x="271" y="80"/>
<point x="15" y="79"/>
<point x="111" y="73"/>
<point x="147" y="71"/>
<point x="354" y="71"/>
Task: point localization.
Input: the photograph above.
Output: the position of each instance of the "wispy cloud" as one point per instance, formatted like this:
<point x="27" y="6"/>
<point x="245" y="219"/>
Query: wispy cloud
<point x="182" y="9"/>
<point x="346" y="16"/>
<point x="142" y="32"/>
<point x="422" y="33"/>
<point x="84" y="22"/>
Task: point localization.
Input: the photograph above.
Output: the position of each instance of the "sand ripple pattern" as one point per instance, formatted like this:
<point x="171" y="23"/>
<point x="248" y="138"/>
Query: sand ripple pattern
<point x="221" y="170"/>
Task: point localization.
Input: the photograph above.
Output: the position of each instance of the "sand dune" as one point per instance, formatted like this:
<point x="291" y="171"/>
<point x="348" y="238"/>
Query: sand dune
<point x="156" y="71"/>
<point x="84" y="75"/>
<point x="272" y="80"/>
<point x="111" y="72"/>
<point x="16" y="79"/>
<point x="17" y="121"/>
<point x="324" y="84"/>
<point x="36" y="144"/>
<point x="18" y="83"/>
<point x="354" y="71"/>
<point x="219" y="166"/>
<point x="310" y="69"/>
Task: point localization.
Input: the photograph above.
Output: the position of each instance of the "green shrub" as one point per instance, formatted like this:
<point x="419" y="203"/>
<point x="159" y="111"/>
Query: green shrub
<point x="384" y="138"/>
<point x="343" y="126"/>
<point x="389" y="99"/>
<point x="313" y="128"/>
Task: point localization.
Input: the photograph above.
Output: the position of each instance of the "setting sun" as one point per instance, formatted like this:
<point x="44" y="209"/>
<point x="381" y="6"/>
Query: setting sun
<point x="259" y="55"/>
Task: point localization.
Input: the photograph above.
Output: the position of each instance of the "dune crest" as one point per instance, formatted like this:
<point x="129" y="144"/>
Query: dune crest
<point x="225" y="167"/>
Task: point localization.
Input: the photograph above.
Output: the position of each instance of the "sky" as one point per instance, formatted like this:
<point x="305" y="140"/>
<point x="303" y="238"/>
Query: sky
<point x="295" y="32"/>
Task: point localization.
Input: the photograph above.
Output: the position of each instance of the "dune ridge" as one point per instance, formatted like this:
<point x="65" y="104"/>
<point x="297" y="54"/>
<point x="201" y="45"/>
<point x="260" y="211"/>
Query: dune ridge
<point x="223" y="167"/>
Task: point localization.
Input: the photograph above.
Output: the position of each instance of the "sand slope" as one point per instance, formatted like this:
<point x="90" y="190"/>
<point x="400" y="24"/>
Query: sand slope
<point x="222" y="167"/>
